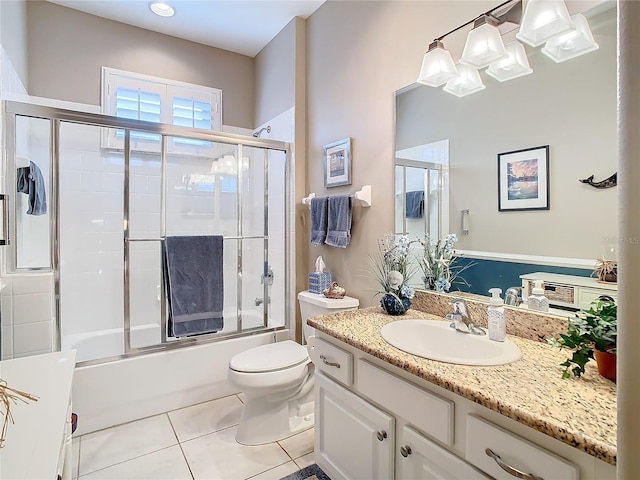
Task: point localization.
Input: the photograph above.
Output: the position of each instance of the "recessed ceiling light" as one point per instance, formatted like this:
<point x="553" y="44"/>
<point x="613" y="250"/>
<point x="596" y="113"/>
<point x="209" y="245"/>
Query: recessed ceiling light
<point x="162" y="9"/>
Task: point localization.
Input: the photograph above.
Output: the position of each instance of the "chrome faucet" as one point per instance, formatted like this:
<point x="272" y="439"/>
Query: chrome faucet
<point x="259" y="301"/>
<point x="460" y="318"/>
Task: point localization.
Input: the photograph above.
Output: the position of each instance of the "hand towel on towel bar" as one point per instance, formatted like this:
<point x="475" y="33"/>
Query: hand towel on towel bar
<point x="30" y="181"/>
<point x="318" y="220"/>
<point x="415" y="204"/>
<point x="339" y="221"/>
<point x="194" y="284"/>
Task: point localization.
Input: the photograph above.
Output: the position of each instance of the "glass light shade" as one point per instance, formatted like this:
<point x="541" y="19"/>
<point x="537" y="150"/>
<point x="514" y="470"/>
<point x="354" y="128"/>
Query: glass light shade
<point x="437" y="66"/>
<point x="514" y="66"/>
<point x="543" y="19"/>
<point x="465" y="83"/>
<point x="571" y="44"/>
<point x="484" y="46"/>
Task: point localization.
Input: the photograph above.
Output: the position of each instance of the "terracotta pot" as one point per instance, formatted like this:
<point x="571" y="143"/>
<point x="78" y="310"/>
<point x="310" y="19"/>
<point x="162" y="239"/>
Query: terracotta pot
<point x="606" y="364"/>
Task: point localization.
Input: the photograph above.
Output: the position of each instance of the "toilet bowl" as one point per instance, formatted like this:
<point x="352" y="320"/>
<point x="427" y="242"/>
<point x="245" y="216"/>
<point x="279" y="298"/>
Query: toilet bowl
<point x="277" y="379"/>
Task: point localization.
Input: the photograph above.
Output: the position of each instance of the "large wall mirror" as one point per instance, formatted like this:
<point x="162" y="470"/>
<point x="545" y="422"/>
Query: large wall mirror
<point x="448" y="148"/>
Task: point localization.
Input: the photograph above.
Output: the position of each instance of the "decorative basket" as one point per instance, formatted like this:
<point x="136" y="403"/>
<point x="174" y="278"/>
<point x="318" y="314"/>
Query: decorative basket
<point x="335" y="291"/>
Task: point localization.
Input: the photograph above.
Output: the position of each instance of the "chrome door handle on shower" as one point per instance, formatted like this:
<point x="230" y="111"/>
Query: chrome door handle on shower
<point x="4" y="223"/>
<point x="327" y="362"/>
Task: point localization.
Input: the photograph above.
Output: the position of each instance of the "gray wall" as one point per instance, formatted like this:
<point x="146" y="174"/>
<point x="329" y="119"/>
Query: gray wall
<point x="569" y="106"/>
<point x="13" y="35"/>
<point x="275" y="75"/>
<point x="67" y="49"/>
<point x="359" y="54"/>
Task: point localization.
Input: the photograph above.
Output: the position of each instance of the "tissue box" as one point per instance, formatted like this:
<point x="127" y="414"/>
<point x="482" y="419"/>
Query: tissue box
<point x="319" y="281"/>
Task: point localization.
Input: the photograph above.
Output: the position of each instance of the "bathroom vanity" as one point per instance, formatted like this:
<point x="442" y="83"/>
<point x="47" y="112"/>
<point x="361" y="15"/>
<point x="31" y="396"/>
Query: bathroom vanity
<point x="382" y="413"/>
<point x="38" y="444"/>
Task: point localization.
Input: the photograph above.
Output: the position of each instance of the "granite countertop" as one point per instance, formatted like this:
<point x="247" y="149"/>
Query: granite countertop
<point x="580" y="412"/>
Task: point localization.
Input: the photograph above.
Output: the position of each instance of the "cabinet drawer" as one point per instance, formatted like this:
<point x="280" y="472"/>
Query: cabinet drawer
<point x="514" y="452"/>
<point x="332" y="361"/>
<point x="422" y="458"/>
<point x="426" y="411"/>
<point x="588" y="295"/>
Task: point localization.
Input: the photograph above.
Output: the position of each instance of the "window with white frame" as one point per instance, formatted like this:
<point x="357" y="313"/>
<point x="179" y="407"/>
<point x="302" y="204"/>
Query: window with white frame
<point x="153" y="99"/>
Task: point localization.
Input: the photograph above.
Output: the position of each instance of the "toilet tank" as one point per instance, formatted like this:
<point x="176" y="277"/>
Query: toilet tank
<point x="314" y="304"/>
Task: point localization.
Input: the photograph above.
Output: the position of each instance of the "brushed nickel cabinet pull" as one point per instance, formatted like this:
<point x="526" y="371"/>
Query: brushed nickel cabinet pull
<point x="509" y="469"/>
<point x="381" y="434"/>
<point x="327" y="362"/>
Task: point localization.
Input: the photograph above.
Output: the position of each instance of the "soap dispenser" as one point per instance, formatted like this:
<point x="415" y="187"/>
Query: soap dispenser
<point x="537" y="300"/>
<point x="495" y="312"/>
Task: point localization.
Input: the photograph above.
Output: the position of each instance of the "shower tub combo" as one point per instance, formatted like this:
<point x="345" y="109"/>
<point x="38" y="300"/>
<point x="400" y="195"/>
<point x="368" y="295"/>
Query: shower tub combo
<point x="116" y="188"/>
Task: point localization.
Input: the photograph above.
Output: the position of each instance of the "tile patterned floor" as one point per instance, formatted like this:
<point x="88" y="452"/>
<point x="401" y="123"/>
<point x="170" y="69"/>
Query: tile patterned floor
<point x="193" y="443"/>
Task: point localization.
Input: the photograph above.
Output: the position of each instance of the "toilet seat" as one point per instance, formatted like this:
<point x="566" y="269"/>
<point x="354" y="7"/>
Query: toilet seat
<point x="269" y="358"/>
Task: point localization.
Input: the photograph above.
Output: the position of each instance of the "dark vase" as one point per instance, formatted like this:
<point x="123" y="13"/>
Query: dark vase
<point x="394" y="305"/>
<point x="606" y="364"/>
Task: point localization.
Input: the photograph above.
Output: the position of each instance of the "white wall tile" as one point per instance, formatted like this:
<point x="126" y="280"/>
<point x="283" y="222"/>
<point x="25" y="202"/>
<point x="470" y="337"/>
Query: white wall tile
<point x="7" y="341"/>
<point x="32" y="308"/>
<point x="6" y="310"/>
<point x="32" y="337"/>
<point x="32" y="284"/>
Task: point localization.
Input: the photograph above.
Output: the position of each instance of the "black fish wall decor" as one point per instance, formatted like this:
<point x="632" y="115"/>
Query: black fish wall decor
<point x="612" y="181"/>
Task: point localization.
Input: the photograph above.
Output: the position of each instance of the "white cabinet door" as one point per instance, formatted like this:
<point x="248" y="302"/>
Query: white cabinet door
<point x="354" y="440"/>
<point x="422" y="459"/>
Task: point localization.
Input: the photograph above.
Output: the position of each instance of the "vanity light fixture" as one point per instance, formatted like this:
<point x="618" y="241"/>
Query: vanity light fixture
<point x="515" y="65"/>
<point x="483" y="46"/>
<point x="437" y="66"/>
<point x="571" y="44"/>
<point x="543" y="19"/>
<point x="484" y="43"/>
<point x="465" y="83"/>
<point x="162" y="9"/>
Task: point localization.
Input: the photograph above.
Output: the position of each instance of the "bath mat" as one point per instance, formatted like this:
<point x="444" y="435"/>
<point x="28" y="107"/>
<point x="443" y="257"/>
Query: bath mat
<point x="312" y="472"/>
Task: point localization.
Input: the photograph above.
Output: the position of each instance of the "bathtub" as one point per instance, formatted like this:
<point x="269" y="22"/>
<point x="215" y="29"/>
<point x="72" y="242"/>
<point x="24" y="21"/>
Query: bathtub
<point x="128" y="389"/>
<point x="109" y="343"/>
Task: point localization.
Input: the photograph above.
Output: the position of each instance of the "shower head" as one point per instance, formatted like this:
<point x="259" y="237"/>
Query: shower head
<point x="267" y="128"/>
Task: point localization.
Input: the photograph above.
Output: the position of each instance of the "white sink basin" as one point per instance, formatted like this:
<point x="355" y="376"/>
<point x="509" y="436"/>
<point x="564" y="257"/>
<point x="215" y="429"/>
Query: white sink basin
<point x="435" y="340"/>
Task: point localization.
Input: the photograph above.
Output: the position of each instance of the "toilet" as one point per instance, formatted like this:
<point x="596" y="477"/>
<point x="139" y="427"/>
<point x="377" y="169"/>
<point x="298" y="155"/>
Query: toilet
<point x="277" y="379"/>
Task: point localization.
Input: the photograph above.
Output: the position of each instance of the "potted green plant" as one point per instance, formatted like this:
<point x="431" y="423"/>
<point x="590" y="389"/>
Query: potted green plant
<point x="591" y="334"/>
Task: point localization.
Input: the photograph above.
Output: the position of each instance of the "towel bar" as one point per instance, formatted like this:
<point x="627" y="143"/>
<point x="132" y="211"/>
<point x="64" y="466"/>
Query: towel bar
<point x="364" y="195"/>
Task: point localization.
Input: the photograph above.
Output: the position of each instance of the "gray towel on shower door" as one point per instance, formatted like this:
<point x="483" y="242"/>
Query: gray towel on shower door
<point x="193" y="276"/>
<point x="339" y="221"/>
<point x="30" y="181"/>
<point x="318" y="220"/>
<point x="414" y="204"/>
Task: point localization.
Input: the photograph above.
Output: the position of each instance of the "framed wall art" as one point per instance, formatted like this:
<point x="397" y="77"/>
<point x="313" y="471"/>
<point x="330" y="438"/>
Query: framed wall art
<point x="523" y="179"/>
<point x="337" y="163"/>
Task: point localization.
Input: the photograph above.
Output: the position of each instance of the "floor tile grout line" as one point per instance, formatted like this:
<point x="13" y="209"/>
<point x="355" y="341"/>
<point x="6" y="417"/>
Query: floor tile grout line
<point x="206" y="401"/>
<point x="173" y="429"/>
<point x="186" y="461"/>
<point x="158" y="414"/>
<point x="205" y="434"/>
<point x="269" y="469"/>
<point x="127" y="460"/>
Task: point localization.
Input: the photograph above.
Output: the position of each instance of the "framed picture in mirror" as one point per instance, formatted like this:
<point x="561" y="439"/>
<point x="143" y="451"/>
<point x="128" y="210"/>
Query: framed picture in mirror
<point x="523" y="179"/>
<point x="337" y="163"/>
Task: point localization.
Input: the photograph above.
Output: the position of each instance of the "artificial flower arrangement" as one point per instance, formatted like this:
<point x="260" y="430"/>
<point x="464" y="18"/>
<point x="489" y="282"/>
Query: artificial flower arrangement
<point x="438" y="264"/>
<point x="391" y="267"/>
